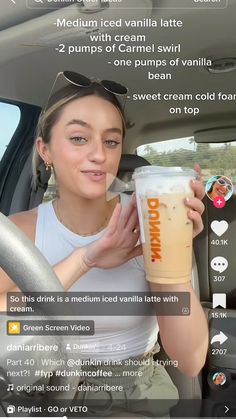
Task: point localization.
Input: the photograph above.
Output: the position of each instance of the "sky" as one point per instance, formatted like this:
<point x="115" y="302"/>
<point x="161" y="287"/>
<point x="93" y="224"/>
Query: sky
<point x="169" y="145"/>
<point x="174" y="145"/>
<point x="9" y="119"/>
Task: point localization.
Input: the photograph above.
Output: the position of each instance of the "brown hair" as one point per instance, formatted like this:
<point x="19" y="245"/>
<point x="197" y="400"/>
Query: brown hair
<point x="49" y="117"/>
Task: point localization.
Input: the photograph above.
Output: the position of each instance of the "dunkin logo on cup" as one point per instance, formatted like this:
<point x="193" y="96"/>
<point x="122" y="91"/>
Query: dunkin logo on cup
<point x="154" y="228"/>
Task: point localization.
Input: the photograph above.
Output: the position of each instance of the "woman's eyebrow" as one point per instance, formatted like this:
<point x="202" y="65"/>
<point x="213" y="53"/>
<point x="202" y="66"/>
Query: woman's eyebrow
<point x="117" y="130"/>
<point x="86" y="125"/>
<point x="78" y="122"/>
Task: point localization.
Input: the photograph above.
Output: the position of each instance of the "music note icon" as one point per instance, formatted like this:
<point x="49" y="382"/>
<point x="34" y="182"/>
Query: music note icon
<point x="10" y="387"/>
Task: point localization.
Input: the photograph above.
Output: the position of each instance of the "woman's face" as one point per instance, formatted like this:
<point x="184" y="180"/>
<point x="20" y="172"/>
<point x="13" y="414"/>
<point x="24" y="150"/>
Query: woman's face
<point x="220" y="378"/>
<point x="85" y="146"/>
<point x="220" y="189"/>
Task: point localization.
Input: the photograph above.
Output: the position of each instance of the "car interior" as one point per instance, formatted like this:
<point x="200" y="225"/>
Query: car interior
<point x="33" y="50"/>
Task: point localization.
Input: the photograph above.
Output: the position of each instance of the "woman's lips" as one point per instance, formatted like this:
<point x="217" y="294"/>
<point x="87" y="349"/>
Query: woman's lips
<point x="94" y="175"/>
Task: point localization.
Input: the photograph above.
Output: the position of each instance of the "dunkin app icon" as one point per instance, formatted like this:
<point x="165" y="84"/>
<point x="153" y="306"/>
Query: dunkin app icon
<point x="166" y="231"/>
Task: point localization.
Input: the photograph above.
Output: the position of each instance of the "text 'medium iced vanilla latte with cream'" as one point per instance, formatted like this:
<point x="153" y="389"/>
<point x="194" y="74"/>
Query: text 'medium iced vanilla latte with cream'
<point x="166" y="232"/>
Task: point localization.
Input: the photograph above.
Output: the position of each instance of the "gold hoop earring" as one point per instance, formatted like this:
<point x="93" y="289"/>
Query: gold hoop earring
<point x="48" y="165"/>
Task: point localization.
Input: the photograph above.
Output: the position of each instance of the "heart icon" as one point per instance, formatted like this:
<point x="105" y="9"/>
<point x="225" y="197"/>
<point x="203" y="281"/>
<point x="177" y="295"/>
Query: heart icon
<point x="219" y="227"/>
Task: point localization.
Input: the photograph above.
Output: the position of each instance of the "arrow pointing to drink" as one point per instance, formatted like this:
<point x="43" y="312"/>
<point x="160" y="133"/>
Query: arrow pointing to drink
<point x="219" y="338"/>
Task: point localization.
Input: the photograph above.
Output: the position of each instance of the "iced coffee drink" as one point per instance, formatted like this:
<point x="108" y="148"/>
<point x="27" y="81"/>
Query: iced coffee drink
<point x="166" y="231"/>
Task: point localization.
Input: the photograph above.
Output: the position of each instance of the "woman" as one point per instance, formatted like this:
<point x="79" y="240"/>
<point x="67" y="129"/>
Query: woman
<point x="92" y="245"/>
<point x="219" y="379"/>
<point x="219" y="186"/>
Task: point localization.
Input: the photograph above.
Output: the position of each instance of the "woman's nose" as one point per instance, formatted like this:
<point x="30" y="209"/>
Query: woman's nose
<point x="97" y="152"/>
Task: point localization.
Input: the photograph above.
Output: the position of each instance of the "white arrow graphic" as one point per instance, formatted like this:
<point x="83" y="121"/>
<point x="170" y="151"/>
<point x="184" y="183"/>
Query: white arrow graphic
<point x="226" y="409"/>
<point x="116" y="186"/>
<point x="219" y="338"/>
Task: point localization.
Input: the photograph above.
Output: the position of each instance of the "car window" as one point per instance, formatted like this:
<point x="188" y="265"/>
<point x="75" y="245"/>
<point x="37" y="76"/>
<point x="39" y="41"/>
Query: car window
<point x="9" y="120"/>
<point x="214" y="158"/>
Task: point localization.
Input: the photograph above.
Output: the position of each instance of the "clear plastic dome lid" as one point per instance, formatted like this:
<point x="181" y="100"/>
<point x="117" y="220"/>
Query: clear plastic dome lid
<point x="144" y="171"/>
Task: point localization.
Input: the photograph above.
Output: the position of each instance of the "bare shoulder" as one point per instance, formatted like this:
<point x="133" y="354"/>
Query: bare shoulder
<point x="26" y="221"/>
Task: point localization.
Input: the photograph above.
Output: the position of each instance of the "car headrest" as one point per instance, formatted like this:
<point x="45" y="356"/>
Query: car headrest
<point x="129" y="162"/>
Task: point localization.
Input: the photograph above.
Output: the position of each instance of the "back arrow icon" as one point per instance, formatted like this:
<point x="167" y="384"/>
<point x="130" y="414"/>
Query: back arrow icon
<point x="219" y="338"/>
<point x="226" y="409"/>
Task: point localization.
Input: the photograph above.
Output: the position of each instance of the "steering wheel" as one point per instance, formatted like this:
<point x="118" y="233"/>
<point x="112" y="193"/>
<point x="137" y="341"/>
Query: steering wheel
<point x="31" y="272"/>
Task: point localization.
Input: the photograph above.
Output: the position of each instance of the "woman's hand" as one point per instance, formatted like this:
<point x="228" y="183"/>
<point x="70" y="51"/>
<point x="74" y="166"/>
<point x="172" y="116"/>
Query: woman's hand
<point x="118" y="244"/>
<point x="195" y="204"/>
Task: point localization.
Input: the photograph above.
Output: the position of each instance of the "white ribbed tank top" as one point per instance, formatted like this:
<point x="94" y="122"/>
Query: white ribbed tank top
<point x="116" y="337"/>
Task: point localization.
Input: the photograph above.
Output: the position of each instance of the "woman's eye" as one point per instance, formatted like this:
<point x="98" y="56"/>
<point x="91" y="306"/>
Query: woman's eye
<point x="112" y="143"/>
<point x="79" y="140"/>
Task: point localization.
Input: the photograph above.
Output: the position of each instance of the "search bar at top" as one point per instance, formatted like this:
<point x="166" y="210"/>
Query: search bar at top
<point x="128" y="4"/>
<point x="51" y="4"/>
<point x="57" y="4"/>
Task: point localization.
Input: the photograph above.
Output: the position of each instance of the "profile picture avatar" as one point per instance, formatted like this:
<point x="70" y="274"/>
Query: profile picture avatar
<point x="219" y="379"/>
<point x="219" y="185"/>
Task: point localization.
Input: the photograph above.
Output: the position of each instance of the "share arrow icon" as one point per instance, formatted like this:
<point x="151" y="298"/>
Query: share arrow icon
<point x="221" y="338"/>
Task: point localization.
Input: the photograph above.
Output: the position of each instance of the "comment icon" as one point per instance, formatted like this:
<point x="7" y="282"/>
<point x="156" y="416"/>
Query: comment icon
<point x="219" y="264"/>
